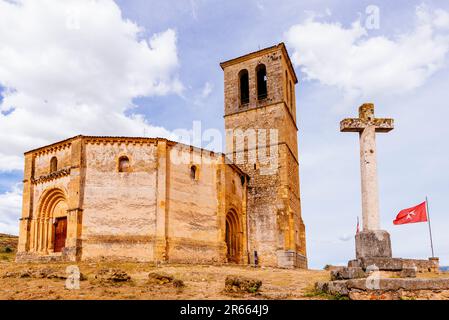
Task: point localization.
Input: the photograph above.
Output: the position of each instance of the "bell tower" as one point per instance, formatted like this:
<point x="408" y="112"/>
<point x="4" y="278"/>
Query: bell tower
<point x="261" y="138"/>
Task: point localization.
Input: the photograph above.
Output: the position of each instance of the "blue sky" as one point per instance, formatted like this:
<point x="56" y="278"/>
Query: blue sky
<point x="161" y="59"/>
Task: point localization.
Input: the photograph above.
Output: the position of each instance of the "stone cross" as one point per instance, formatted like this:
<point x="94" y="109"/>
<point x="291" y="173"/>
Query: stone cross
<point x="367" y="126"/>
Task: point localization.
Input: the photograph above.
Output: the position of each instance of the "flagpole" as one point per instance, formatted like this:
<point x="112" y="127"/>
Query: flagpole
<point x="430" y="228"/>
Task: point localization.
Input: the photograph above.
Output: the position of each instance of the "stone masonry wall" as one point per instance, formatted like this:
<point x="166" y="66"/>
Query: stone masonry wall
<point x="197" y="207"/>
<point x="119" y="207"/>
<point x="276" y="231"/>
<point x="37" y="222"/>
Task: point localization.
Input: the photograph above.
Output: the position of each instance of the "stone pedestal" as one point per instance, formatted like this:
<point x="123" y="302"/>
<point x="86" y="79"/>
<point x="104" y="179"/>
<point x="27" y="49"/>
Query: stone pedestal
<point x="291" y="259"/>
<point x="373" y="244"/>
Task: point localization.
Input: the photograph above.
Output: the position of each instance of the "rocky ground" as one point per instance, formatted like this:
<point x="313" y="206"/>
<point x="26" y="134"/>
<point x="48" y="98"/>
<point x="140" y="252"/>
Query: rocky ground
<point x="114" y="280"/>
<point x="108" y="280"/>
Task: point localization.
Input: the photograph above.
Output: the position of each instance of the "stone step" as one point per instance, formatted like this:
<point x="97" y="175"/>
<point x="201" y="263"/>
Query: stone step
<point x="395" y="264"/>
<point x="371" y="287"/>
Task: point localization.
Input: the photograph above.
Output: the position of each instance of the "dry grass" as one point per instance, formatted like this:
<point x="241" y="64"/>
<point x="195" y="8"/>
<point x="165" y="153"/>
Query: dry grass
<point x="201" y="282"/>
<point x="8" y="247"/>
<point x="432" y="275"/>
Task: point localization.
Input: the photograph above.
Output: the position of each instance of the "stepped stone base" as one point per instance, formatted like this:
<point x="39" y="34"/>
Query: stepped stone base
<point x="395" y="264"/>
<point x="387" y="289"/>
<point x="370" y="278"/>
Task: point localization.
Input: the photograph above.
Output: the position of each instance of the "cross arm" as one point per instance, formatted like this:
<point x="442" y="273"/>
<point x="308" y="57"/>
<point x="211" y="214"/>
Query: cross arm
<point x="358" y="125"/>
<point x="383" y="124"/>
<point x="352" y="125"/>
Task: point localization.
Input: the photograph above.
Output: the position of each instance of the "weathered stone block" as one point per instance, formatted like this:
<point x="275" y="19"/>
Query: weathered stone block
<point x="421" y="265"/>
<point x="353" y="263"/>
<point x="337" y="287"/>
<point x="112" y="275"/>
<point x="348" y="273"/>
<point x="404" y="284"/>
<point x="408" y="273"/>
<point x="373" y="244"/>
<point x="239" y="284"/>
<point x="321" y="286"/>
<point x="160" y="278"/>
<point x="381" y="264"/>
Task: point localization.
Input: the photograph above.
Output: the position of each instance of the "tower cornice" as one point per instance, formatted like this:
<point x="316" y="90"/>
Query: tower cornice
<point x="263" y="52"/>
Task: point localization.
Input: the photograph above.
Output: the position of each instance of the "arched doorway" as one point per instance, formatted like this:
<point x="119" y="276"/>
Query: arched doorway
<point x="233" y="237"/>
<point x="49" y="227"/>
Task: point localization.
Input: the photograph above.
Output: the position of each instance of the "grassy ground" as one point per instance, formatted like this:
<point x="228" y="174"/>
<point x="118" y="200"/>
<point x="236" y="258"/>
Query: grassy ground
<point x="8" y="247"/>
<point x="201" y="282"/>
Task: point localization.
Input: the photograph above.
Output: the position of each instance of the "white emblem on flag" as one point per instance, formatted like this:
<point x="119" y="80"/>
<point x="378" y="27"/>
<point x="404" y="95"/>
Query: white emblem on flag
<point x="410" y="214"/>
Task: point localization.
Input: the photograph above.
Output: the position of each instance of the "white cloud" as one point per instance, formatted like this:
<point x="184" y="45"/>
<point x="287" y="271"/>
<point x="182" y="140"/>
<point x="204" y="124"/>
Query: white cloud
<point x="200" y="98"/>
<point x="207" y="90"/>
<point x="73" y="67"/>
<point x="362" y="65"/>
<point x="10" y="162"/>
<point x="438" y="18"/>
<point x="10" y="206"/>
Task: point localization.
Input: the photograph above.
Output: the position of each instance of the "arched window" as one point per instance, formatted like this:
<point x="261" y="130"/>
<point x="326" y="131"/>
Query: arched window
<point x="287" y="94"/>
<point x="194" y="172"/>
<point x="261" y="72"/>
<point x="123" y="164"/>
<point x="53" y="164"/>
<point x="244" y="86"/>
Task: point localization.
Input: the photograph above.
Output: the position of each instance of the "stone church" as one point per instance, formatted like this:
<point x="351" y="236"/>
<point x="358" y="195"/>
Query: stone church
<point x="155" y="200"/>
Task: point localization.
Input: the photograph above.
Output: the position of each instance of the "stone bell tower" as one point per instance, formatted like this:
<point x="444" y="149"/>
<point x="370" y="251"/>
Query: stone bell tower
<point x="261" y="138"/>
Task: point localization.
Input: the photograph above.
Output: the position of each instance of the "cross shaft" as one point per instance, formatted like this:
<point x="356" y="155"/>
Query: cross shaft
<point x="367" y="126"/>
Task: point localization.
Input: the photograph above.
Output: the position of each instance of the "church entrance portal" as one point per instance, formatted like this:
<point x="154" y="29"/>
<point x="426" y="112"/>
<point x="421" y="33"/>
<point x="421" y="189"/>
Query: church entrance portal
<point x="233" y="237"/>
<point x="60" y="234"/>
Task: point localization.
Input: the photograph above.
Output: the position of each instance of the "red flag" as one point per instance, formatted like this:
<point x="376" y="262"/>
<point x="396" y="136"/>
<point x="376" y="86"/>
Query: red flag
<point x="412" y="215"/>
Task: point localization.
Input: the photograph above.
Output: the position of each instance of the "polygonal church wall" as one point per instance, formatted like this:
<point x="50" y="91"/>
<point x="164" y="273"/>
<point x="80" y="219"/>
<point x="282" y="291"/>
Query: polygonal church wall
<point x="119" y="211"/>
<point x="196" y="206"/>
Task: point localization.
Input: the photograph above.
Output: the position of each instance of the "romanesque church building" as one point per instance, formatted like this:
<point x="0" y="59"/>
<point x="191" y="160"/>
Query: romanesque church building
<point x="155" y="200"/>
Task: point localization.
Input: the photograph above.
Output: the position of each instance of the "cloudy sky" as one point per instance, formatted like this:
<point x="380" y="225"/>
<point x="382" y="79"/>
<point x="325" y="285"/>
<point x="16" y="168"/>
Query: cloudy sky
<point x="140" y="67"/>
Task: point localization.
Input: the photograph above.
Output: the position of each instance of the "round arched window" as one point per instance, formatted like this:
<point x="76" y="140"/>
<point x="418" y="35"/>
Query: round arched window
<point x="53" y="164"/>
<point x="123" y="164"/>
<point x="194" y="172"/>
